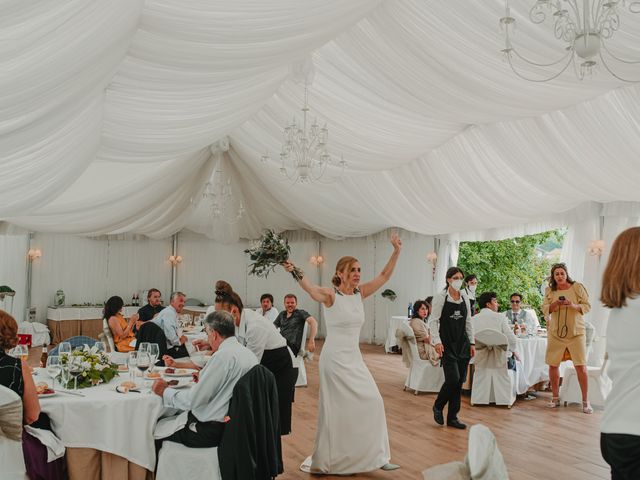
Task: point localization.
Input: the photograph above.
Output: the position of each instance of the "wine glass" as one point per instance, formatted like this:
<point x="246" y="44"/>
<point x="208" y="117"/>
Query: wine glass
<point x="21" y="351"/>
<point x="144" y="361"/>
<point x="100" y="347"/>
<point x="54" y="368"/>
<point x="75" y="370"/>
<point x="132" y="362"/>
<point x="64" y="348"/>
<point x="154" y="353"/>
<point x="64" y="375"/>
<point x="144" y="347"/>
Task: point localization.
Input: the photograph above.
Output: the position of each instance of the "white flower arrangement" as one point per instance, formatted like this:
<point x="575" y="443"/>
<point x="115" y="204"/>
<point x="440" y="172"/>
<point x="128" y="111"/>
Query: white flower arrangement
<point x="94" y="364"/>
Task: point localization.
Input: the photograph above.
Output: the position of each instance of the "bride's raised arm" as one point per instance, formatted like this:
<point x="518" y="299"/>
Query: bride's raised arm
<point x="316" y="292"/>
<point x="370" y="287"/>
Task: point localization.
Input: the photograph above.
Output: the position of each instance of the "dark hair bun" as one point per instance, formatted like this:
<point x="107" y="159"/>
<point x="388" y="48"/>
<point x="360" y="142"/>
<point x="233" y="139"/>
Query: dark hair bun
<point x="336" y="280"/>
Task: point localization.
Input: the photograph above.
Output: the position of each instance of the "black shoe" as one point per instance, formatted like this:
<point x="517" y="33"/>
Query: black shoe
<point x="437" y="416"/>
<point x="456" y="424"/>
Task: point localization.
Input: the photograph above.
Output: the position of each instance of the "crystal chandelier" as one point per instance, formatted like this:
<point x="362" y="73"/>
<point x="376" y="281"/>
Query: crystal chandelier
<point x="221" y="199"/>
<point x="304" y="153"/>
<point x="584" y="26"/>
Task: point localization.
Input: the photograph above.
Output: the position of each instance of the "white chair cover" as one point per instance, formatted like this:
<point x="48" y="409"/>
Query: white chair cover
<point x="484" y="458"/>
<point x="298" y="362"/>
<point x="492" y="381"/>
<point x="175" y="461"/>
<point x="108" y="335"/>
<point x="423" y="376"/>
<point x="448" y="471"/>
<point x="598" y="388"/>
<point x="11" y="457"/>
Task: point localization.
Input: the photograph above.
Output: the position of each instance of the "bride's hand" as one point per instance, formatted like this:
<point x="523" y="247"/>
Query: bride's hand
<point x="288" y="266"/>
<point x="395" y="241"/>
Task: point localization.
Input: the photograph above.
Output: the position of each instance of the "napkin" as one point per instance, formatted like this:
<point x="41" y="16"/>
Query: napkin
<point x="55" y="448"/>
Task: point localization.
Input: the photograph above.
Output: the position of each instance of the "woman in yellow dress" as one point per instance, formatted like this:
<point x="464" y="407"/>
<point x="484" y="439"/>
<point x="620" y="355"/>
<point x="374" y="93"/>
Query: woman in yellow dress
<point x="121" y="329"/>
<point x="565" y="302"/>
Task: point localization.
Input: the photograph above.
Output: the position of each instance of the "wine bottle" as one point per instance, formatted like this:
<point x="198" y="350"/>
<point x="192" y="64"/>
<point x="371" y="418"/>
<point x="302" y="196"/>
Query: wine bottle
<point x="44" y="356"/>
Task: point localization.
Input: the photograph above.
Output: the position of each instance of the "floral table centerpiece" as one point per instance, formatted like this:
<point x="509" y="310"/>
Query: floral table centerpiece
<point x="94" y="365"/>
<point x="270" y="251"/>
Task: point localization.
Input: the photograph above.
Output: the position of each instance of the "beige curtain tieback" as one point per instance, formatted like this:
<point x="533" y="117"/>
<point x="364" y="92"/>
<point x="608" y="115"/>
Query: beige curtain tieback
<point x="490" y="356"/>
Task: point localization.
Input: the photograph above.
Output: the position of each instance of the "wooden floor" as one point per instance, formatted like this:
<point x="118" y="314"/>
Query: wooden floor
<point x="536" y="442"/>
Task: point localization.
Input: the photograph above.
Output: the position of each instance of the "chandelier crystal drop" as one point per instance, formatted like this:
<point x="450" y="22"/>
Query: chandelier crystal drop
<point x="304" y="154"/>
<point x="584" y="26"/>
<point x="221" y="199"/>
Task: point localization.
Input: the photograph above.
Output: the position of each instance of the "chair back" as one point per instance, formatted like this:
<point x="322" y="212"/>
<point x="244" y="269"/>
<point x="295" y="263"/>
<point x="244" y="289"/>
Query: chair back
<point x="406" y="340"/>
<point x="491" y="349"/>
<point x="108" y="336"/>
<point x="11" y="456"/>
<point x="484" y="458"/>
<point x="152" y="333"/>
<point x="251" y="445"/>
<point x="77" y="341"/>
<point x="192" y="302"/>
<point x="590" y="334"/>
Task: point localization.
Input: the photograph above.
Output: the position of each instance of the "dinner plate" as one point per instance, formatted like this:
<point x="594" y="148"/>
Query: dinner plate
<point x="183" y="383"/>
<point x="180" y="372"/>
<point x="46" y="395"/>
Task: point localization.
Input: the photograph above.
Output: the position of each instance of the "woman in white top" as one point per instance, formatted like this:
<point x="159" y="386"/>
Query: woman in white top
<point x="620" y="429"/>
<point x="352" y="429"/>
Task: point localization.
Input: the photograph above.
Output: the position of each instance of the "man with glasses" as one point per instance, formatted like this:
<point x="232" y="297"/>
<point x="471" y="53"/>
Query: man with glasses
<point x="517" y="316"/>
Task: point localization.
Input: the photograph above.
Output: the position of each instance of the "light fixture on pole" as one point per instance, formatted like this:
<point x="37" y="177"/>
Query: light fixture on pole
<point x="316" y="260"/>
<point x="585" y="27"/>
<point x="432" y="258"/>
<point x="34" y="253"/>
<point x="304" y="153"/>
<point x="175" y="260"/>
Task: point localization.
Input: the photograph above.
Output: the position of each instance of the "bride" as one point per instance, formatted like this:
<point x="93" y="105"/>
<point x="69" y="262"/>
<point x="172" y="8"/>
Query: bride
<point x="352" y="431"/>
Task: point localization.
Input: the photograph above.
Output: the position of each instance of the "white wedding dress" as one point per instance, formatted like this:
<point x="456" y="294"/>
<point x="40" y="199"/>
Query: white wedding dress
<point x="352" y="429"/>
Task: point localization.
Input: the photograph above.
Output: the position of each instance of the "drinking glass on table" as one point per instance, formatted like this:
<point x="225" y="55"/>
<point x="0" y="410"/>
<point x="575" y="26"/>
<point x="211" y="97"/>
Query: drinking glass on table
<point x="154" y="353"/>
<point x="54" y="368"/>
<point x="132" y="362"/>
<point x="65" y="376"/>
<point x="144" y="362"/>
<point x="144" y="347"/>
<point x="100" y="347"/>
<point x="75" y="370"/>
<point x="21" y="352"/>
<point x="64" y="348"/>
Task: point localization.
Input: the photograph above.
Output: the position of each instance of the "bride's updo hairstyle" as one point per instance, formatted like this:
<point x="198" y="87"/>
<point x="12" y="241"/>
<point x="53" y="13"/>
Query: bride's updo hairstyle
<point x="344" y="264"/>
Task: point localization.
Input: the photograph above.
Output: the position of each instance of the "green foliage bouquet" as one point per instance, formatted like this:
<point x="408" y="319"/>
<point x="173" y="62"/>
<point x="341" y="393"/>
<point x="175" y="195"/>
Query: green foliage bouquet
<point x="270" y="251"/>
<point x="95" y="366"/>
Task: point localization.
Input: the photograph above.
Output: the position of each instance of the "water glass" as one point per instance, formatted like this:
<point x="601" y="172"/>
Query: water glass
<point x="64" y="348"/>
<point x="154" y="353"/>
<point x="132" y="362"/>
<point x="64" y="375"/>
<point x="20" y="351"/>
<point x="144" y="347"/>
<point x="75" y="370"/>
<point x="54" y="368"/>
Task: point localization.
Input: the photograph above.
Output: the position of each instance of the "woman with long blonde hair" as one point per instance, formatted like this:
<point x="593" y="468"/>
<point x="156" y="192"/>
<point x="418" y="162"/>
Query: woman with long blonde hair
<point x="620" y="429"/>
<point x="352" y="428"/>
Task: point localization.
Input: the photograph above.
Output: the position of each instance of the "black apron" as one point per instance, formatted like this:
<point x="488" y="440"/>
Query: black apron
<point x="453" y="331"/>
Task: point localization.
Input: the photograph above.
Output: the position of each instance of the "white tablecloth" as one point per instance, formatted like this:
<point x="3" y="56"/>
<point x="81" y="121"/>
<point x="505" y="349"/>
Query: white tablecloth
<point x="394" y="324"/>
<point x="531" y="369"/>
<point x="105" y="420"/>
<point x="61" y="314"/>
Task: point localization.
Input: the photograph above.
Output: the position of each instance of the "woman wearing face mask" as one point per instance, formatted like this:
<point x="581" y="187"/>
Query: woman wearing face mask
<point x="471" y="282"/>
<point x="452" y="334"/>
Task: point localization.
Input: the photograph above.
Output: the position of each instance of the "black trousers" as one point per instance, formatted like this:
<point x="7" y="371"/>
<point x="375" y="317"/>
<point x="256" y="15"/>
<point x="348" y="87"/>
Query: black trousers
<point x="278" y="361"/>
<point x="455" y="373"/>
<point x="622" y="453"/>
<point x="196" y="434"/>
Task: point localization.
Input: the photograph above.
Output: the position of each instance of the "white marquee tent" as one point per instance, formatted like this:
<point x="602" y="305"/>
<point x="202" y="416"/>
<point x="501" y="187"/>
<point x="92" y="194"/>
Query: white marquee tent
<point x="115" y="114"/>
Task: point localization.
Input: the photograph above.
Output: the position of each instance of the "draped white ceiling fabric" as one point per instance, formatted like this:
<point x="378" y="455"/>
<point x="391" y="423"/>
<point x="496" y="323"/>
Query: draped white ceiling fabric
<point x="112" y="113"/>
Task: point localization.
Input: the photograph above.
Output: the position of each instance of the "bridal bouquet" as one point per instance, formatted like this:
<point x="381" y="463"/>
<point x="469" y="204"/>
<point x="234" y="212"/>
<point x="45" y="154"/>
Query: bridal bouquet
<point x="270" y="251"/>
<point x="90" y="366"/>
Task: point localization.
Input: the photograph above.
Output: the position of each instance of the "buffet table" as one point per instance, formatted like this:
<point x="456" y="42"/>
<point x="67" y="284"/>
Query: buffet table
<point x="65" y="322"/>
<point x="394" y="324"/>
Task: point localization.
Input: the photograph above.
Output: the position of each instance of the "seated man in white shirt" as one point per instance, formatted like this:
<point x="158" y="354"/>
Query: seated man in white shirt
<point x="204" y="406"/>
<point x="266" y="307"/>
<point x="489" y="319"/>
<point x="517" y="316"/>
<point x="167" y="320"/>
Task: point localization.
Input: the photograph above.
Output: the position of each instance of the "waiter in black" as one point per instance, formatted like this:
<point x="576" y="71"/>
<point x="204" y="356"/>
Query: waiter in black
<point x="452" y="335"/>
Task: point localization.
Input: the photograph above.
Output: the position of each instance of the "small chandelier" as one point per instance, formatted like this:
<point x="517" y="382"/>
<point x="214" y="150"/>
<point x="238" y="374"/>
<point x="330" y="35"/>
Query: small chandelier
<point x="221" y="199"/>
<point x="304" y="152"/>
<point x="585" y="27"/>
